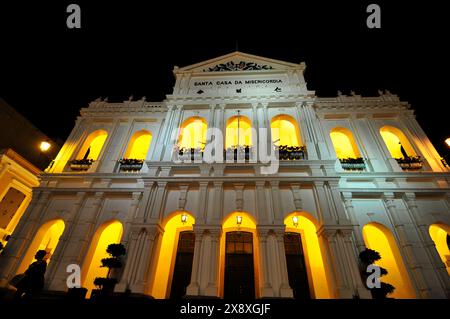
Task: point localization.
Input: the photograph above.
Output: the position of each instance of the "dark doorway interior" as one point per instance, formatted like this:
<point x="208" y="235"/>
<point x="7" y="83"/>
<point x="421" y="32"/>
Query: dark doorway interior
<point x="239" y="272"/>
<point x="183" y="265"/>
<point x="295" y="260"/>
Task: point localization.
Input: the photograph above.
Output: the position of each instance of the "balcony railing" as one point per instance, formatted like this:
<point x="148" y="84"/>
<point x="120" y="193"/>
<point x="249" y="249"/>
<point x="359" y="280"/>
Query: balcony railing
<point x="353" y="164"/>
<point x="240" y="154"/>
<point x="291" y="153"/>
<point x="130" y="164"/>
<point x="410" y="163"/>
<point x="81" y="164"/>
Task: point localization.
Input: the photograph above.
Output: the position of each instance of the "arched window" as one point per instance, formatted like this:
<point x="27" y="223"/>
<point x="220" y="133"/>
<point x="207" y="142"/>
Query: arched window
<point x="238" y="131"/>
<point x="285" y="131"/>
<point x="396" y="142"/>
<point x="344" y="143"/>
<point x="164" y="274"/>
<point x="440" y="234"/>
<point x="93" y="145"/>
<point x="380" y="239"/>
<point x="47" y="239"/>
<point x="106" y="234"/>
<point x="193" y="133"/>
<point x="139" y="145"/>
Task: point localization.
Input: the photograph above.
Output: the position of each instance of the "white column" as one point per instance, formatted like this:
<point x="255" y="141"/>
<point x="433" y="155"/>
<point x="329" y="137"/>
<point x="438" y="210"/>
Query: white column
<point x="154" y="216"/>
<point x="405" y="245"/>
<point x="71" y="243"/>
<point x="348" y="203"/>
<point x="162" y="137"/>
<point x="212" y="289"/>
<point x="262" y="209"/>
<point x="285" y="290"/>
<point x="437" y="266"/>
<point x="173" y="133"/>
<point x="194" y="288"/>
<point x="265" y="289"/>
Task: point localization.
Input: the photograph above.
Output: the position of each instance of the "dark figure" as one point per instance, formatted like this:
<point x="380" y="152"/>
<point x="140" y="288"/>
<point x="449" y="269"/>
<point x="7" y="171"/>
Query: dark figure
<point x="405" y="155"/>
<point x="33" y="280"/>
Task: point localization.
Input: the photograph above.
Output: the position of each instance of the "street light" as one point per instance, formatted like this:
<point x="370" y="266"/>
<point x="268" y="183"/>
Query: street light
<point x="448" y="141"/>
<point x="183" y="218"/>
<point x="45" y="146"/>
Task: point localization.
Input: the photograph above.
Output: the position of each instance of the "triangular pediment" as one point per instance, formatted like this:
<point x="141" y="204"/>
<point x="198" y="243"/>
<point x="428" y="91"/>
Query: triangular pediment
<point x="238" y="62"/>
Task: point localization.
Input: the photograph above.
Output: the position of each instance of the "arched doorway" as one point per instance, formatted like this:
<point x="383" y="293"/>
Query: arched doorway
<point x="440" y="234"/>
<point x="47" y="238"/>
<point x="238" y="132"/>
<point x="296" y="265"/>
<point x="193" y="133"/>
<point x="309" y="280"/>
<point x="344" y="143"/>
<point x="239" y="257"/>
<point x="183" y="264"/>
<point x="239" y="268"/>
<point x="174" y="263"/>
<point x="380" y="239"/>
<point x="108" y="233"/>
<point x="396" y="142"/>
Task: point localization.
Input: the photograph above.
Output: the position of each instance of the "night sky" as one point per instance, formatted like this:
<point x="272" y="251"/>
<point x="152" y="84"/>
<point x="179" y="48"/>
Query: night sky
<point x="124" y="48"/>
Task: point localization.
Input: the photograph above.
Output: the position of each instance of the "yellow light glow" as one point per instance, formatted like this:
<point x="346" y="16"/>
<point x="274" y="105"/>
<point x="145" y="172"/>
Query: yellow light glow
<point x="108" y="233"/>
<point x="193" y="133"/>
<point x="317" y="276"/>
<point x="239" y="220"/>
<point x="45" y="146"/>
<point x="344" y="143"/>
<point x="295" y="221"/>
<point x="47" y="239"/>
<point x="448" y="141"/>
<point x="139" y="145"/>
<point x="245" y="132"/>
<point x="439" y="233"/>
<point x="167" y="253"/>
<point x="380" y="239"/>
<point x="394" y="140"/>
<point x="94" y="144"/>
<point x="285" y="131"/>
<point x="248" y="224"/>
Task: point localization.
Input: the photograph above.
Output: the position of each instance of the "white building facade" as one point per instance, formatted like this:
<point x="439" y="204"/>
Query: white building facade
<point x="353" y="172"/>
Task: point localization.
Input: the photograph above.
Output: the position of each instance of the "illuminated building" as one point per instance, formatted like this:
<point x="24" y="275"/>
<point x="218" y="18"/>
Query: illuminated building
<point x="354" y="172"/>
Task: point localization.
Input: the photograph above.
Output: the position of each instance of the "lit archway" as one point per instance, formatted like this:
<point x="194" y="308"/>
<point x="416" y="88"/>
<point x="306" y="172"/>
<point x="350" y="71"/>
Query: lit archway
<point x="380" y="239"/>
<point x="193" y="133"/>
<point x="344" y="144"/>
<point x="235" y="223"/>
<point x="440" y="233"/>
<point x="108" y="233"/>
<point x="238" y="131"/>
<point x="173" y="225"/>
<point x="47" y="239"/>
<point x="305" y="225"/>
<point x="284" y="130"/>
<point x="139" y="145"/>
<point x="396" y="142"/>
<point x="93" y="145"/>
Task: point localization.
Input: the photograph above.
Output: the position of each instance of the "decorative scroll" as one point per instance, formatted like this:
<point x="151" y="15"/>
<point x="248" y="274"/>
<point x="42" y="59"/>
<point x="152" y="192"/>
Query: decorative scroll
<point x="241" y="66"/>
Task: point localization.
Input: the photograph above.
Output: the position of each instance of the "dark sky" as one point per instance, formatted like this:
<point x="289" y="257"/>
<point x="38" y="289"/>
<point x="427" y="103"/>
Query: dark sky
<point x="49" y="72"/>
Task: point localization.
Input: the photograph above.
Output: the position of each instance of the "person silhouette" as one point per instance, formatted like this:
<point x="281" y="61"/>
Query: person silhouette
<point x="33" y="280"/>
<point x="405" y="155"/>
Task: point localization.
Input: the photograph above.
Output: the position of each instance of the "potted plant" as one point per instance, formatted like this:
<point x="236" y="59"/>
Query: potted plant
<point x="131" y="164"/>
<point x="410" y="162"/>
<point x="107" y="284"/>
<point x="368" y="257"/>
<point x="81" y="164"/>
<point x="353" y="163"/>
